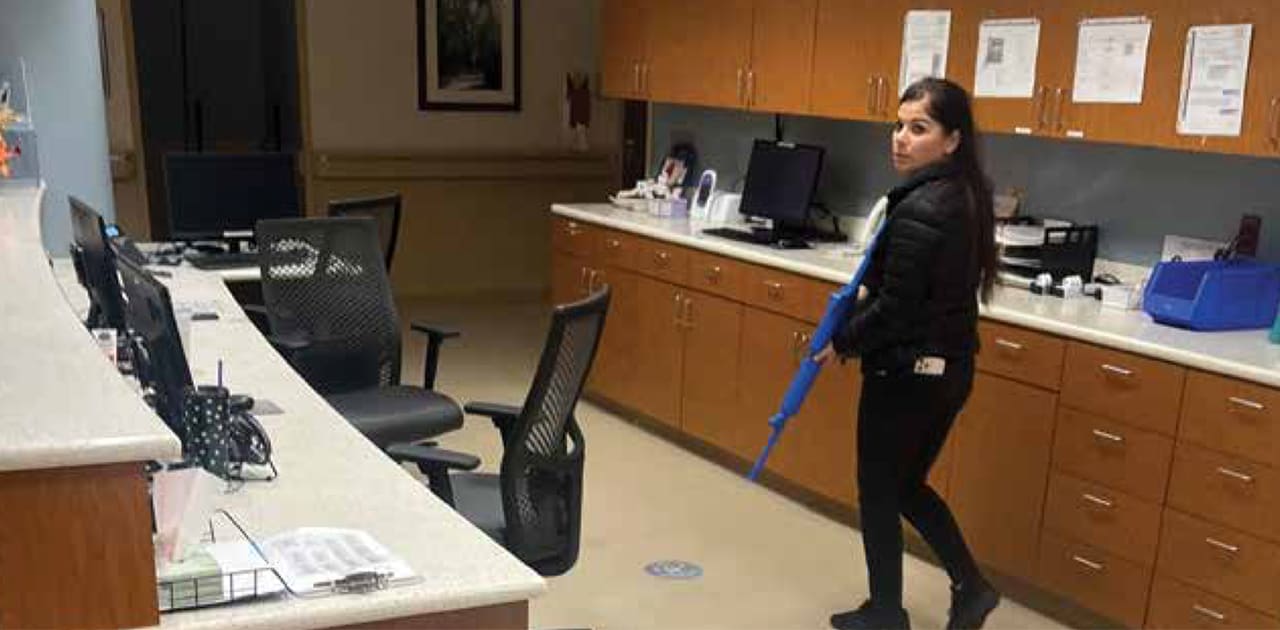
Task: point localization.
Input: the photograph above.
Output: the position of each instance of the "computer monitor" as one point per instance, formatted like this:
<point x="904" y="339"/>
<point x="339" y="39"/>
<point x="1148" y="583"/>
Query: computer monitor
<point x="96" y="267"/>
<point x="224" y="195"/>
<point x="159" y="360"/>
<point x="781" y="179"/>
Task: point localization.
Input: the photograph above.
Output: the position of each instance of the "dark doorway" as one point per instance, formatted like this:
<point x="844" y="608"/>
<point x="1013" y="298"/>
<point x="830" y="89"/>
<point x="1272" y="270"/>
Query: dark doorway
<point x="214" y="76"/>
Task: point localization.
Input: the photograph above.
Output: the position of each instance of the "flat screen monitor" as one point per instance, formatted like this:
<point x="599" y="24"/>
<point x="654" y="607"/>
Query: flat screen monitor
<point x="96" y="266"/>
<point x="159" y="359"/>
<point x="224" y="195"/>
<point x="781" y="179"/>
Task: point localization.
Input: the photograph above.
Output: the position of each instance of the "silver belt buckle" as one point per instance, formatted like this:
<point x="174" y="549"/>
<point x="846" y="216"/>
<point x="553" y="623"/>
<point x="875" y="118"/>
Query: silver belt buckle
<point x="930" y="366"/>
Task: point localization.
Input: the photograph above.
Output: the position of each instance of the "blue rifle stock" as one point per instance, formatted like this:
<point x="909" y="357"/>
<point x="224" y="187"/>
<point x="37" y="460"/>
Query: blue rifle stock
<point x="838" y="306"/>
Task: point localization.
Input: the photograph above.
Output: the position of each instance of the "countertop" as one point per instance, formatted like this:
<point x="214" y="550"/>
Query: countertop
<point x="1244" y="354"/>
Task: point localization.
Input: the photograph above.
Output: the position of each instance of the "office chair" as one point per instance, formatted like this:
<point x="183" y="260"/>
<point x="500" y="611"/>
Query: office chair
<point x="329" y="310"/>
<point x="384" y="209"/>
<point x="534" y="506"/>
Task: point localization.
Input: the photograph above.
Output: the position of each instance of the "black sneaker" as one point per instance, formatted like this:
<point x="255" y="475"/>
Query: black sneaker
<point x="970" y="606"/>
<point x="868" y="617"/>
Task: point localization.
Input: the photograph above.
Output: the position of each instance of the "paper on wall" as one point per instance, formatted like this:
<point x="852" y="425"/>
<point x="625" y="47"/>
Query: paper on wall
<point x="1215" y="67"/>
<point x="926" y="36"/>
<point x="1007" y="52"/>
<point x="1111" y="60"/>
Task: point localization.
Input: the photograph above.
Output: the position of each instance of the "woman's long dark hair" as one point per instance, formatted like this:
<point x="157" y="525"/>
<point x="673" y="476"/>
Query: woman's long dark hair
<point x="949" y="105"/>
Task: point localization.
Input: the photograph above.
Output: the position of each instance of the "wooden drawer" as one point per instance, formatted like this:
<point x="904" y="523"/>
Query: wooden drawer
<point x="617" y="249"/>
<point x="1103" y="518"/>
<point x="1178" y="606"/>
<point x="573" y="237"/>
<point x="1138" y="391"/>
<point x="1131" y="460"/>
<point x="1020" y="354"/>
<point x="662" y="260"/>
<point x="1232" y="416"/>
<point x="780" y="291"/>
<point x="716" y="274"/>
<point x="1220" y="560"/>
<point x="819" y="297"/>
<point x="1226" y="489"/>
<point x="1111" y="586"/>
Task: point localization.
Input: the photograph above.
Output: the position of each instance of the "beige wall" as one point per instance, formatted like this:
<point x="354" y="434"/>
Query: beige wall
<point x="362" y="58"/>
<point x="476" y="186"/>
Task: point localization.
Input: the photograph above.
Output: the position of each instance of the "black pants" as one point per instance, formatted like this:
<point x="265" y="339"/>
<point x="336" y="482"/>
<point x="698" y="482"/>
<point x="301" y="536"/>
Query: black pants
<point x="903" y="420"/>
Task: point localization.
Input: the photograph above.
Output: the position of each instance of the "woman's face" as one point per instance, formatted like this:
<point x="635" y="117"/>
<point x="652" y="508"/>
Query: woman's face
<point x="919" y="140"/>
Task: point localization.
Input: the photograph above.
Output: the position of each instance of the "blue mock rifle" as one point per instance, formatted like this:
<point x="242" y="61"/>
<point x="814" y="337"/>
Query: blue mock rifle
<point x="838" y="306"/>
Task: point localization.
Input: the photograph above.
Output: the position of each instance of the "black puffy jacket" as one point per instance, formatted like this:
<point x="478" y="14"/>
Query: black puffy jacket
<point x="923" y="280"/>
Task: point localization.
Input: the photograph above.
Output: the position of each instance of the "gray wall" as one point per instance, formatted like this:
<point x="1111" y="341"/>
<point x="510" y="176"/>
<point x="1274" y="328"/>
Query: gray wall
<point x="59" y="41"/>
<point x="1134" y="195"/>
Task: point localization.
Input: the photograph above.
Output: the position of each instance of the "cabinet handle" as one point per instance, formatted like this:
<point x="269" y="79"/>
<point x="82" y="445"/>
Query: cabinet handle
<point x="688" y="312"/>
<point x="1273" y="121"/>
<point x="713" y="274"/>
<point x="751" y="88"/>
<point x="1095" y="566"/>
<point x="1115" y="369"/>
<point x="884" y="97"/>
<point x="1010" y="345"/>
<point x="774" y="289"/>
<point x="635" y="77"/>
<point x="1097" y="500"/>
<point x="1110" y="437"/>
<point x="591" y="281"/>
<point x="1057" y="108"/>
<point x="679" y="309"/>
<point x="741" y="72"/>
<point x="1221" y="545"/>
<point x="1041" y="106"/>
<point x="644" y="77"/>
<point x="582" y="281"/>
<point x="1237" y="475"/>
<point x="1209" y="612"/>
<point x="873" y="90"/>
<point x="1248" y="404"/>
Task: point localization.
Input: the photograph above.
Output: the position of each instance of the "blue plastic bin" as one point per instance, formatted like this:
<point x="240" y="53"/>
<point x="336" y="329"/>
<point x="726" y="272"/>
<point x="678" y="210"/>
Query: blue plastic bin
<point x="1213" y="295"/>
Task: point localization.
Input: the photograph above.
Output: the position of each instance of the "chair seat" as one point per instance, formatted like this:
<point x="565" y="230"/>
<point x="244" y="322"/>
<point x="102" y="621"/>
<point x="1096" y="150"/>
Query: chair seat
<point x="478" y="498"/>
<point x="402" y="413"/>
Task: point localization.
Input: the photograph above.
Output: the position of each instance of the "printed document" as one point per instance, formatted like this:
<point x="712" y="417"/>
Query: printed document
<point x="1214" y="69"/>
<point x="1007" y="51"/>
<point x="310" y="559"/>
<point x="1111" y="60"/>
<point x="926" y="36"/>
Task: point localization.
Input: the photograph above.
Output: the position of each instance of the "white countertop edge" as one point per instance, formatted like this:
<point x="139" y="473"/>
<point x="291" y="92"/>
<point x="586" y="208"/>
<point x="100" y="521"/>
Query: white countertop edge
<point x="345" y="610"/>
<point x="98" y="451"/>
<point x="758" y="254"/>
<point x="761" y="255"/>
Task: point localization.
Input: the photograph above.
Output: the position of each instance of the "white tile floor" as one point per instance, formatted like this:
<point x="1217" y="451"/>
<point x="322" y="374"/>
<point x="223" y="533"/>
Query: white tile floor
<point x="768" y="562"/>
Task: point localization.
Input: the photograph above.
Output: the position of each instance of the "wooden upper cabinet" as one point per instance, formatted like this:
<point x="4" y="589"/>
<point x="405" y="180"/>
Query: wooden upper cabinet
<point x="856" y="46"/>
<point x="699" y="51"/>
<point x="1025" y="116"/>
<point x="623" y="47"/>
<point x="1259" y="131"/>
<point x="781" y="55"/>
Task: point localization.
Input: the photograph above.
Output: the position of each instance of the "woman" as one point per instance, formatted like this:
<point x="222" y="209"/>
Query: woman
<point x="916" y="333"/>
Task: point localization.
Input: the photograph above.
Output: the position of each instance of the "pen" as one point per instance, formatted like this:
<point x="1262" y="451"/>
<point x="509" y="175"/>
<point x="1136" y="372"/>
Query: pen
<point x="219" y="373"/>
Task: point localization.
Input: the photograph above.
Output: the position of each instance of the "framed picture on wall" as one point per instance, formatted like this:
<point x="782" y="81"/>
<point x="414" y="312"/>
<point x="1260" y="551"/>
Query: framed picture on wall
<point x="469" y="55"/>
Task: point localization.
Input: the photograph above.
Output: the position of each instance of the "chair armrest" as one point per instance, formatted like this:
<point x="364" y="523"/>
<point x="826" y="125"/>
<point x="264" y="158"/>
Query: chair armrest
<point x="496" y="411"/>
<point x="433" y="457"/>
<point x="258" y="315"/>
<point x="436" y="335"/>
<point x="288" y="344"/>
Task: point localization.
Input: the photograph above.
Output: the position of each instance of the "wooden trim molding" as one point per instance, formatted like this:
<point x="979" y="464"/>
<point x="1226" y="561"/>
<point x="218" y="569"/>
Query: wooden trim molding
<point x="124" y="166"/>
<point x="513" y="616"/>
<point x="343" y="165"/>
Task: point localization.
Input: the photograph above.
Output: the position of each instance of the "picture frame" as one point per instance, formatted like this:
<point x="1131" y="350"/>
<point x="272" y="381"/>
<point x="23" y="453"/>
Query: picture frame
<point x="469" y="55"/>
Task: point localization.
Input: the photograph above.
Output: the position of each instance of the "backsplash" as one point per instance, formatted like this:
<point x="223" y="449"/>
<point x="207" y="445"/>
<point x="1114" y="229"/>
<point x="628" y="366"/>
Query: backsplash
<point x="1135" y="195"/>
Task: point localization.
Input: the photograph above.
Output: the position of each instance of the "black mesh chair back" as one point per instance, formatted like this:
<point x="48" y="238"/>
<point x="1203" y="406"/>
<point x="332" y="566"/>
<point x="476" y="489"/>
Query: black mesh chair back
<point x="384" y="209"/>
<point x="542" y="462"/>
<point x="324" y="280"/>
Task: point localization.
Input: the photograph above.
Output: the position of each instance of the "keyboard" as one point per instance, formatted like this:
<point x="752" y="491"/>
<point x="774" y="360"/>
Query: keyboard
<point x="743" y="236"/>
<point x="222" y="260"/>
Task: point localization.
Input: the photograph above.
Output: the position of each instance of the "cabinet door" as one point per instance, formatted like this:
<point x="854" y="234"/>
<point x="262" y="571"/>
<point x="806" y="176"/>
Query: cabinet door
<point x="817" y="448"/>
<point x="713" y="327"/>
<point x="569" y="275"/>
<point x="1149" y="123"/>
<point x="623" y="47"/>
<point x="699" y="51"/>
<point x="782" y="55"/>
<point x="1000" y="470"/>
<point x="1258" y="132"/>
<point x="612" y="373"/>
<point x="1013" y="115"/>
<point x="658" y="369"/>
<point x="856" y="49"/>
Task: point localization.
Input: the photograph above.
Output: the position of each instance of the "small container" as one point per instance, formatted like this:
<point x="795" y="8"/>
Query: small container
<point x="1121" y="296"/>
<point x="1213" y="294"/>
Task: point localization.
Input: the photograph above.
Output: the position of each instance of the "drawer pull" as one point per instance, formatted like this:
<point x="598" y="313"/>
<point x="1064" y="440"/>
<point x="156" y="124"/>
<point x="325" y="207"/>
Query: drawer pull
<point x="1093" y="566"/>
<point x="1097" y="500"/>
<point x="1234" y="474"/>
<point x="1209" y="612"/>
<point x="679" y="310"/>
<point x="713" y="274"/>
<point x="1115" y="369"/>
<point x="1221" y="545"/>
<point x="775" y="289"/>
<point x="1110" y="437"/>
<point x="661" y="258"/>
<point x="613" y="243"/>
<point x="1010" y="345"/>
<point x="1246" y="403"/>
